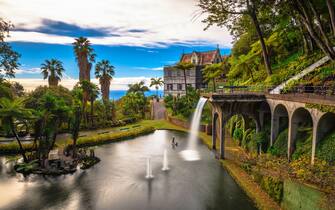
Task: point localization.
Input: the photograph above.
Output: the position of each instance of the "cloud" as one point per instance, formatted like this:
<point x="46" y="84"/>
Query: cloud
<point x="28" y="71"/>
<point x="152" y="69"/>
<point x="66" y="29"/>
<point x="111" y="22"/>
<point x="120" y="83"/>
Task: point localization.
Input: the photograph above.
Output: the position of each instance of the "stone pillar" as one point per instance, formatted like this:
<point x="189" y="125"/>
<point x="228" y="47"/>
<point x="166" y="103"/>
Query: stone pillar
<point x="261" y="119"/>
<point x="274" y="129"/>
<point x="292" y="132"/>
<point x="214" y="121"/>
<point x="222" y="138"/>
<point x="314" y="141"/>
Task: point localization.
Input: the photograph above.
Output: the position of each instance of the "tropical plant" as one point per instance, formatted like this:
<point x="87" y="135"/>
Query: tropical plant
<point x="134" y="104"/>
<point x="104" y="71"/>
<point x="157" y="82"/>
<point x="8" y="57"/>
<point x="85" y="57"/>
<point x="212" y="72"/>
<point x="92" y="91"/>
<point x="52" y="69"/>
<point x="10" y="112"/>
<point x="138" y="88"/>
<point x="184" y="66"/>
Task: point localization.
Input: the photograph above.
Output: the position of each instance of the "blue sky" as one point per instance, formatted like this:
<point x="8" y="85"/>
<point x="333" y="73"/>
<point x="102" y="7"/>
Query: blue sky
<point x="137" y="42"/>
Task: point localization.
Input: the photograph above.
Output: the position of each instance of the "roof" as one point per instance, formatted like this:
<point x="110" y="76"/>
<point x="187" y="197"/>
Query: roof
<point x="203" y="58"/>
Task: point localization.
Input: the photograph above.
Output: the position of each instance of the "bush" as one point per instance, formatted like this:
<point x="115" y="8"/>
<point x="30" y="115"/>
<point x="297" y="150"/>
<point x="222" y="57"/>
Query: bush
<point x="274" y="187"/>
<point x="326" y="149"/>
<point x="279" y="147"/>
<point x="110" y="137"/>
<point x="238" y="134"/>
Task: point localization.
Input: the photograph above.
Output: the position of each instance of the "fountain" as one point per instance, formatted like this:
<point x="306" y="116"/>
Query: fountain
<point x="191" y="154"/>
<point x="149" y="169"/>
<point x="165" y="161"/>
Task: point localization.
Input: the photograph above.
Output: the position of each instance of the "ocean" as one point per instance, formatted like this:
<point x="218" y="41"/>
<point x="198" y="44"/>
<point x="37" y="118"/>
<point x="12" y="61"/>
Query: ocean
<point x="117" y="94"/>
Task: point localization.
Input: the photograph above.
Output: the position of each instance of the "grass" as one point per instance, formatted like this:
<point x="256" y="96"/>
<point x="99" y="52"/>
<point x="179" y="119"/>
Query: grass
<point x="254" y="191"/>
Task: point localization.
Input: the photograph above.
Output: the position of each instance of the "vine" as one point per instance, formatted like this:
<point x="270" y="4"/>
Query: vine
<point x="321" y="107"/>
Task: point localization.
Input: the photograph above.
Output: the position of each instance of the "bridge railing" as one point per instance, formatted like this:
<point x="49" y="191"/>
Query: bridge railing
<point x="315" y="92"/>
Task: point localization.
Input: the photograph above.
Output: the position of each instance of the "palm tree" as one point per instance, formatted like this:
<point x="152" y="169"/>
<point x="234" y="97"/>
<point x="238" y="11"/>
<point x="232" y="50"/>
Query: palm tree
<point x="185" y="66"/>
<point x="104" y="71"/>
<point x="211" y="72"/>
<point x="93" y="92"/>
<point x="138" y="88"/>
<point x="10" y="111"/>
<point x="52" y="69"/>
<point x="157" y="82"/>
<point x="85" y="56"/>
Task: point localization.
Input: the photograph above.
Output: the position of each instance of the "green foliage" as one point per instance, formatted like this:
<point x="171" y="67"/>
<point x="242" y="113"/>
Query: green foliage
<point x="321" y="107"/>
<point x="110" y="137"/>
<point x="183" y="105"/>
<point x="279" y="147"/>
<point x="238" y="134"/>
<point x="325" y="150"/>
<point x="27" y="168"/>
<point x="303" y="142"/>
<point x="134" y="104"/>
<point x="274" y="187"/>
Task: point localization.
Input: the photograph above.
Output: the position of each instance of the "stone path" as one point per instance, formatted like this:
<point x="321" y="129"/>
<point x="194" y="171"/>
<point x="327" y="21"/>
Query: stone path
<point x="159" y="110"/>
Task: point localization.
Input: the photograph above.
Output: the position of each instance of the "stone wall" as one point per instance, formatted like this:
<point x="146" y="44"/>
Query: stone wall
<point x="186" y="125"/>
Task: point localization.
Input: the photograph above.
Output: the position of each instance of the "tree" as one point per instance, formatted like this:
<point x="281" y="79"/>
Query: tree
<point x="8" y="57"/>
<point x="185" y="66"/>
<point x="138" y="88"/>
<point x="211" y="72"/>
<point x="157" y="82"/>
<point x="52" y="69"/>
<point x="306" y="12"/>
<point x="134" y="103"/>
<point x="104" y="71"/>
<point x="12" y="110"/>
<point x="75" y="126"/>
<point x="85" y="57"/>
<point x="92" y="91"/>
<point x="224" y="12"/>
<point x="330" y="7"/>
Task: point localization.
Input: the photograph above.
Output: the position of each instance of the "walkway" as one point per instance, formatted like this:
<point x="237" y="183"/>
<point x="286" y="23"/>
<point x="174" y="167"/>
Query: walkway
<point x="159" y="110"/>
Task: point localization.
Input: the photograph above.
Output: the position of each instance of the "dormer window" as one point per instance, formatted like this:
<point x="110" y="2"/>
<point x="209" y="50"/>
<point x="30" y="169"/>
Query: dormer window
<point x="194" y="61"/>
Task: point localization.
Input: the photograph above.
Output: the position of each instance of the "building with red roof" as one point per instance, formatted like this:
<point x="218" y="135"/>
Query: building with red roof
<point x="174" y="78"/>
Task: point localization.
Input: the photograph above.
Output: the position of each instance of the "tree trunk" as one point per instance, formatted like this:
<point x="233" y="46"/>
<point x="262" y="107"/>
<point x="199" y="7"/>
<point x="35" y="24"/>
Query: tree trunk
<point x="265" y="53"/>
<point x="92" y="104"/>
<point x="307" y="22"/>
<point x="331" y="14"/>
<point x="22" y="151"/>
<point x="185" y="81"/>
<point x="319" y="25"/>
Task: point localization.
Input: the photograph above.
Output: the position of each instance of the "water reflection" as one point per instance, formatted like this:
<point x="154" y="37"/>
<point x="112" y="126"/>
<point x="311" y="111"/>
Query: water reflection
<point x="118" y="181"/>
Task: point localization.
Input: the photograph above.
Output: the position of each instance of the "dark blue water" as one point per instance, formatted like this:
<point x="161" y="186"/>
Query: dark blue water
<point x="117" y="94"/>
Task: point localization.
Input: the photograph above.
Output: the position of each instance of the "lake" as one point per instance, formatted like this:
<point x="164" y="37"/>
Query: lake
<point x="118" y="181"/>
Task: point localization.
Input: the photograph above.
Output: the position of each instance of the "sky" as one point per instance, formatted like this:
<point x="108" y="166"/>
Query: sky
<point x="139" y="37"/>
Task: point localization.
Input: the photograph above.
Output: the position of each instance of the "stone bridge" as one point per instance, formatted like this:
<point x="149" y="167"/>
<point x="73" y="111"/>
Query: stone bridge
<point x="282" y="111"/>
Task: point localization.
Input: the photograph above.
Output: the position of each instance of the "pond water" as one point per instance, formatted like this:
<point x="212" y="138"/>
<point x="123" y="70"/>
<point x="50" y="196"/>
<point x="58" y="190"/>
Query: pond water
<point x="118" y="181"/>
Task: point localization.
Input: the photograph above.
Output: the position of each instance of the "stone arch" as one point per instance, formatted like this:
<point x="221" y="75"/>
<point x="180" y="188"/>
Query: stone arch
<point x="325" y="126"/>
<point x="300" y="117"/>
<point x="280" y="121"/>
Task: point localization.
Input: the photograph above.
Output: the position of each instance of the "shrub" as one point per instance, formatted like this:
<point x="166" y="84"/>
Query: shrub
<point x="326" y="148"/>
<point x="274" y="187"/>
<point x="238" y="134"/>
<point x="279" y="147"/>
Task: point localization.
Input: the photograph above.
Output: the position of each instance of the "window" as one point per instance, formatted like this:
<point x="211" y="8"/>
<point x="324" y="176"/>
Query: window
<point x="179" y="87"/>
<point x="169" y="74"/>
<point x="178" y="73"/>
<point x="169" y="86"/>
<point x="188" y="73"/>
